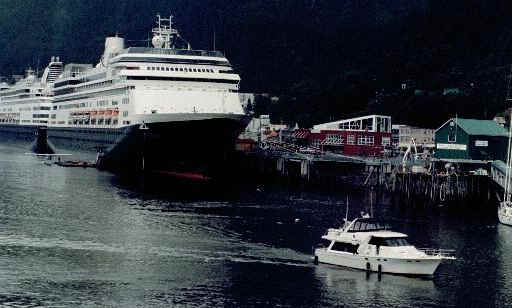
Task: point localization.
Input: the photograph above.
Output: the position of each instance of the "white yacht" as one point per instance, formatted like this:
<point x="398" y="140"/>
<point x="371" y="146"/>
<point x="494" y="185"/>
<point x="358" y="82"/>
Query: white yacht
<point x="367" y="244"/>
<point x="175" y="108"/>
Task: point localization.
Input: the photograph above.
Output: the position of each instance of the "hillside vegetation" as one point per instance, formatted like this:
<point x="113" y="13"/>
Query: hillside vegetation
<point x="325" y="59"/>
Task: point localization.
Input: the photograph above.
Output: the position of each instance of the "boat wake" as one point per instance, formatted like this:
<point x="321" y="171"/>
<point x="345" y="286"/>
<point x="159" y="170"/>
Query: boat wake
<point x="264" y="255"/>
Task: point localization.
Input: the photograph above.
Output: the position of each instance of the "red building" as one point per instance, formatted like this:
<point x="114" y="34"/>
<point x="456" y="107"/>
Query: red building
<point x="363" y="136"/>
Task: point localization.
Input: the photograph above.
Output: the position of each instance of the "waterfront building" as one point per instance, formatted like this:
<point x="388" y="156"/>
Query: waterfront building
<point x="469" y="139"/>
<point x="362" y="136"/>
<point x="257" y="129"/>
<point x="403" y="135"/>
<point x="260" y="128"/>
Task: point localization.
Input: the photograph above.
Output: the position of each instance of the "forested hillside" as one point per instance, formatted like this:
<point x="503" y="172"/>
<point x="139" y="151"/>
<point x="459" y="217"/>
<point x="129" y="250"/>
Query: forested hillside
<point x="326" y="59"/>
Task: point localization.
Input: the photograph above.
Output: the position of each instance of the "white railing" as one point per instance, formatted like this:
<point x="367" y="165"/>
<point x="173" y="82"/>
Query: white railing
<point x="444" y="253"/>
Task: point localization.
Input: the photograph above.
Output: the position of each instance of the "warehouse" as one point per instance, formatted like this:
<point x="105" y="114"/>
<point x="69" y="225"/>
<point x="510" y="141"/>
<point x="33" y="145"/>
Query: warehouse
<point x="470" y="139"/>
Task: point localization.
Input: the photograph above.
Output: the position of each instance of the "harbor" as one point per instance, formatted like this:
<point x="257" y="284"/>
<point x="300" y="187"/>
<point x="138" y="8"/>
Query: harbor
<point x="255" y="154"/>
<point x="81" y="236"/>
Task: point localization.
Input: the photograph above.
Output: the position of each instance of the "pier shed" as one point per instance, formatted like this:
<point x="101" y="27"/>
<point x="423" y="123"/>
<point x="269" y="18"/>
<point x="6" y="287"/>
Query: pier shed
<point x="471" y="139"/>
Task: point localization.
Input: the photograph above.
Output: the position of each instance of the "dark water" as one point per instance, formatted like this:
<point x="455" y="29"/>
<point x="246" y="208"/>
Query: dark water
<point x="72" y="237"/>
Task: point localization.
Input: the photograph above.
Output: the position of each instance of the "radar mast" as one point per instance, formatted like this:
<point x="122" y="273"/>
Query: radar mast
<point x="163" y="33"/>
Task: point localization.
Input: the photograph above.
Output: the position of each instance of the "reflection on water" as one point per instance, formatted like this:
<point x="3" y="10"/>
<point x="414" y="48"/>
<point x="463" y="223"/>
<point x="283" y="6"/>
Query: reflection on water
<point x="359" y="289"/>
<point x="79" y="237"/>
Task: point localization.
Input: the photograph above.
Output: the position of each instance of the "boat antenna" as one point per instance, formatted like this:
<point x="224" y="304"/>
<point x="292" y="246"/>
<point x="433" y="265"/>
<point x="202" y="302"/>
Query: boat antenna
<point x="346" y="211"/>
<point x="506" y="195"/>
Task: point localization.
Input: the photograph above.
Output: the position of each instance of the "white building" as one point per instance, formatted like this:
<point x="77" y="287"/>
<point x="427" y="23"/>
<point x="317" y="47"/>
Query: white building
<point x="403" y="135"/>
<point x="371" y="123"/>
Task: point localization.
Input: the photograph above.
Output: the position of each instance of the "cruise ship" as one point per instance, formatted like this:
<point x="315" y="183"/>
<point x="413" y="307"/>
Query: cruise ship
<point x="162" y="108"/>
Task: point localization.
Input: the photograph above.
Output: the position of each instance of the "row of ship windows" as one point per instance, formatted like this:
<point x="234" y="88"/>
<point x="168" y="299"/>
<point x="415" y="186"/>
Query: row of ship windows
<point x="102" y="103"/>
<point x="13" y="121"/>
<point x="12" y="98"/>
<point x="92" y="122"/>
<point x="179" y="69"/>
<point x="82" y="88"/>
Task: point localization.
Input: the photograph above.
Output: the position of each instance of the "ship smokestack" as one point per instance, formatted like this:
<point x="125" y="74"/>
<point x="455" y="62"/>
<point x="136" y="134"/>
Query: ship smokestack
<point x="113" y="46"/>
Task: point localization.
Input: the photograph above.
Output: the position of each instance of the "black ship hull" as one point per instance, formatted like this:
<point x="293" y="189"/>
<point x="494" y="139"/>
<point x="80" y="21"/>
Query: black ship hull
<point x="202" y="146"/>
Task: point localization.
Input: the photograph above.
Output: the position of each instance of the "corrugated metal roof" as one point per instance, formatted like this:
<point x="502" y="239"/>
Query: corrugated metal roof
<point x="481" y="127"/>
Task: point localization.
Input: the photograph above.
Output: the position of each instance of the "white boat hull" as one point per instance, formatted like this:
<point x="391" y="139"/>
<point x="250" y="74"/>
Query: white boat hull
<point x="505" y="215"/>
<point x="406" y="266"/>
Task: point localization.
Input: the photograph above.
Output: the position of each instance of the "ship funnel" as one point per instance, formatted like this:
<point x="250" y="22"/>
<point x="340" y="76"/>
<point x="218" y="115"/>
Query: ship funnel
<point x="113" y="46"/>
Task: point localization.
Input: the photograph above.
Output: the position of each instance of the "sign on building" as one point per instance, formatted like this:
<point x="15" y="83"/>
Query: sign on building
<point x="451" y="146"/>
<point x="481" y="143"/>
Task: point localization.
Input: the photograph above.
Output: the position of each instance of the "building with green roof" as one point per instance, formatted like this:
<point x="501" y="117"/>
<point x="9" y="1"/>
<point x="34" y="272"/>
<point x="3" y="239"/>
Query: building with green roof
<point x="470" y="139"/>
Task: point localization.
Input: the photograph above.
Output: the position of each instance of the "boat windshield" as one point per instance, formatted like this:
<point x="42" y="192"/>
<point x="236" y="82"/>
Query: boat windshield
<point x="363" y="225"/>
<point x="389" y="241"/>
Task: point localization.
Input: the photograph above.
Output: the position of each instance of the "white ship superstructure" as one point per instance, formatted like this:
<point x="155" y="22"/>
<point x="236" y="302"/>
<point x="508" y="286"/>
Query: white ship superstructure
<point x="179" y="94"/>
<point x="130" y="84"/>
<point x="27" y="101"/>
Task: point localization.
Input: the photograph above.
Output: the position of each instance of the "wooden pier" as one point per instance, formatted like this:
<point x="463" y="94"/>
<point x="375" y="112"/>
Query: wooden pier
<point x="441" y="189"/>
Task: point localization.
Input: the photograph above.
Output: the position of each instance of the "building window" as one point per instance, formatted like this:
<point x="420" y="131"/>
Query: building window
<point x="334" y="139"/>
<point x="350" y="139"/>
<point x="452" y="132"/>
<point x="386" y="141"/>
<point x="365" y="140"/>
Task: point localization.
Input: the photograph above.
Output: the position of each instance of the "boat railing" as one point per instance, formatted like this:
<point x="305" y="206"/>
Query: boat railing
<point x="435" y="252"/>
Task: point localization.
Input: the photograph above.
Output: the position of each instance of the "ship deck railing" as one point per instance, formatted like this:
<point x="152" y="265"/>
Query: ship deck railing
<point x="178" y="52"/>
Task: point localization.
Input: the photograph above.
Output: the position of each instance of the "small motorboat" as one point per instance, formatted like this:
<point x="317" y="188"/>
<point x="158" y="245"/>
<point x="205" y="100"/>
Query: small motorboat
<point x="75" y="163"/>
<point x="367" y="244"/>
